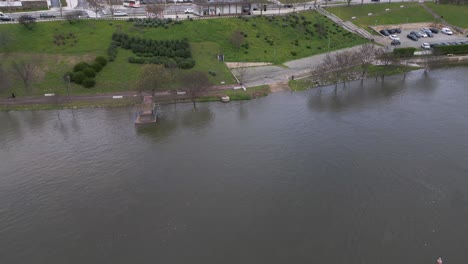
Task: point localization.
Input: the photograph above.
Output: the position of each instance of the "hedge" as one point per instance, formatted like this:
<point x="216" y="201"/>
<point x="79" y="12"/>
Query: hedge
<point x="452" y="49"/>
<point x="404" y="52"/>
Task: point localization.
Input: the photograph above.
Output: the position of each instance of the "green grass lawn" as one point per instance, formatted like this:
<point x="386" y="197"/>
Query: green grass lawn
<point x="60" y="45"/>
<point x="454" y="14"/>
<point x="410" y="13"/>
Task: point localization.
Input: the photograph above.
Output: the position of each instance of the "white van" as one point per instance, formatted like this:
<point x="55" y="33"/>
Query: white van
<point x="446" y="31"/>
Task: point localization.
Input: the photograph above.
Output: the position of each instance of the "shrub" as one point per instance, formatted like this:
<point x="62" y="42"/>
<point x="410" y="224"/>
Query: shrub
<point x="293" y="53"/>
<point x="97" y="67"/>
<point x="187" y="63"/>
<point x="80" y="66"/>
<point x="78" y="77"/>
<point x="88" y="82"/>
<point x="89" y="72"/>
<point x="101" y="60"/>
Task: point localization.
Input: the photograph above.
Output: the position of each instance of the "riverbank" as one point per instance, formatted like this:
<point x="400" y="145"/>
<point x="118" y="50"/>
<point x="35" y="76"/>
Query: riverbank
<point x="58" y="101"/>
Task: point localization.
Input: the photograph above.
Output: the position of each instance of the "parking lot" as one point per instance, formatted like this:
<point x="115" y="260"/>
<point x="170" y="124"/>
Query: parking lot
<point x="437" y="38"/>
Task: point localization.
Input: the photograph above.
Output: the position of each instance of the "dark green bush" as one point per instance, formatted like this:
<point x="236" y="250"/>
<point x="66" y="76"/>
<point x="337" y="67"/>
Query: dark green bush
<point x="97" y="67"/>
<point x="78" y="77"/>
<point x="89" y="72"/>
<point x="80" y="66"/>
<point x="88" y="82"/>
<point x="101" y="60"/>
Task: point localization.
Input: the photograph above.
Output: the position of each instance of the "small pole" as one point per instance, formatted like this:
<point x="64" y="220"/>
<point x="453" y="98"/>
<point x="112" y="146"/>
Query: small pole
<point x="68" y="87"/>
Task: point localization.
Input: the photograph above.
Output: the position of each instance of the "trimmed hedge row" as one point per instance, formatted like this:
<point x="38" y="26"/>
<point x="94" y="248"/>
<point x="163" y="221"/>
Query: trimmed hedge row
<point x="84" y="73"/>
<point x="170" y="53"/>
<point x="153" y="22"/>
<point x="404" y="52"/>
<point x="452" y="49"/>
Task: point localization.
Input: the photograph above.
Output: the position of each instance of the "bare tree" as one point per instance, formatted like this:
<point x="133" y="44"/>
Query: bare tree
<point x="27" y="21"/>
<point x="96" y="5"/>
<point x="432" y="59"/>
<point x="386" y="59"/>
<point x="156" y="9"/>
<point x="196" y="82"/>
<point x="241" y="70"/>
<point x="4" y="79"/>
<point x="72" y="16"/>
<point x="112" y="6"/>
<point x="26" y="72"/>
<point x="366" y="57"/>
<point x="237" y="38"/>
<point x="153" y="78"/>
<point x="4" y="40"/>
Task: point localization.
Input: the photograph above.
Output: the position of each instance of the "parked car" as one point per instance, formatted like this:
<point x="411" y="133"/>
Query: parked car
<point x="394" y="37"/>
<point x="391" y="31"/>
<point x="188" y="11"/>
<point x="412" y="37"/>
<point x="423" y="34"/>
<point x="46" y="15"/>
<point x="27" y="17"/>
<point x="397" y="30"/>
<point x="434" y="30"/>
<point x="384" y="32"/>
<point x="428" y="32"/>
<point x="120" y="13"/>
<point x="446" y="31"/>
<point x="5" y="17"/>
<point x="425" y="45"/>
<point x="395" y="42"/>
<point x="416" y="34"/>
<point x="288" y="6"/>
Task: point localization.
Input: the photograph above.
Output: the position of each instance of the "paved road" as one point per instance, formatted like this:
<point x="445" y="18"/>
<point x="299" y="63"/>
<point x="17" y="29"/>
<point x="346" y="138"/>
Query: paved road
<point x="255" y="76"/>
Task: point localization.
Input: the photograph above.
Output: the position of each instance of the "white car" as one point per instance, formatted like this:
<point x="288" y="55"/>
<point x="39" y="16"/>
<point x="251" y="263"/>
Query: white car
<point x="446" y="31"/>
<point x="394" y="37"/>
<point x="120" y="13"/>
<point x="425" y="46"/>
<point x="188" y="11"/>
<point x="423" y="34"/>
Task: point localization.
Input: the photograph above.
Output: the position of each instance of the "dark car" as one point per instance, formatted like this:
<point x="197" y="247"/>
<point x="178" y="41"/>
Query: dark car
<point x="6" y="18"/>
<point x="384" y="32"/>
<point x="46" y="15"/>
<point x="27" y="17"/>
<point x="412" y="37"/>
<point x="288" y="6"/>
<point x="395" y="42"/>
<point x="391" y="31"/>
<point x="434" y="30"/>
<point x="397" y="30"/>
<point x="416" y="34"/>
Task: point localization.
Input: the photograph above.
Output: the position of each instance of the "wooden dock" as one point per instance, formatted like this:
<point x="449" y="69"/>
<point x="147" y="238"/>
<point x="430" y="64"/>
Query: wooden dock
<point x="147" y="113"/>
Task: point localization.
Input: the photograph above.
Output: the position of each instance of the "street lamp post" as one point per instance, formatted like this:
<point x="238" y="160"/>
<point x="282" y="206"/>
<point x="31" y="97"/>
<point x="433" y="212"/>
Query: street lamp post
<point x="68" y="87"/>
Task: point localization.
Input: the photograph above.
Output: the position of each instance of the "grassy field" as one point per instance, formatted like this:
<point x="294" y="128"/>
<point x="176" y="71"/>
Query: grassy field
<point x="454" y="14"/>
<point x="410" y="13"/>
<point x="276" y="40"/>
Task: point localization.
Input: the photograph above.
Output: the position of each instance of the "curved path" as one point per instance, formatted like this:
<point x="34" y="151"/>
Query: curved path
<point x="270" y="75"/>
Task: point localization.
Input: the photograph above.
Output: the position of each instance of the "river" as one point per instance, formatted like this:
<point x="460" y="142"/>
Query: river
<point x="374" y="173"/>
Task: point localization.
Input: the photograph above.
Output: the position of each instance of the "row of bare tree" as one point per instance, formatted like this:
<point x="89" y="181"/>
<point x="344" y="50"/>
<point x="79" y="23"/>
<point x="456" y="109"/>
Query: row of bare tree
<point x="345" y="66"/>
<point x="19" y="70"/>
<point x="157" y="78"/>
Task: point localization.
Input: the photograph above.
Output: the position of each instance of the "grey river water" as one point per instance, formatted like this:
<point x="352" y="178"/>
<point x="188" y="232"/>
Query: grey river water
<point x="372" y="174"/>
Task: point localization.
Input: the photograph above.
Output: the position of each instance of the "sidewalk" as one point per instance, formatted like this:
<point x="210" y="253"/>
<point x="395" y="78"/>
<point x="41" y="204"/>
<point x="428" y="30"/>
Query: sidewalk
<point x="63" y="98"/>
